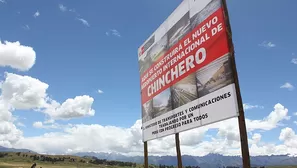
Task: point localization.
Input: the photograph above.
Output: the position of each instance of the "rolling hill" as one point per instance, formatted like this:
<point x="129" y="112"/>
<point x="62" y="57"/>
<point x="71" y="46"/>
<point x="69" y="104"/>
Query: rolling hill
<point x="209" y="161"/>
<point x="4" y="149"/>
<point x="23" y="159"/>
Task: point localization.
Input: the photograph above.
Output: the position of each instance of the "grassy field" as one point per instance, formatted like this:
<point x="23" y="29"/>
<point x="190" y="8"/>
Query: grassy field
<point x="58" y="165"/>
<point x="25" y="160"/>
<point x="48" y="165"/>
<point x="26" y="165"/>
<point x="282" y="167"/>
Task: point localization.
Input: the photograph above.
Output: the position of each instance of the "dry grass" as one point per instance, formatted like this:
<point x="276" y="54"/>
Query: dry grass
<point x="45" y="165"/>
<point x="282" y="167"/>
<point x="12" y="160"/>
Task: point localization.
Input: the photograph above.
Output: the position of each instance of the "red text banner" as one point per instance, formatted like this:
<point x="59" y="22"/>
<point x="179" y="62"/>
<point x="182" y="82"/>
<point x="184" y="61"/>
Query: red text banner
<point x="205" y="43"/>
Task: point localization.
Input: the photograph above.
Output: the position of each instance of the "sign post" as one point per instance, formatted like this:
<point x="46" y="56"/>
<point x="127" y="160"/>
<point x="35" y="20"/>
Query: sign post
<point x="241" y="117"/>
<point x="179" y="157"/>
<point x="145" y="155"/>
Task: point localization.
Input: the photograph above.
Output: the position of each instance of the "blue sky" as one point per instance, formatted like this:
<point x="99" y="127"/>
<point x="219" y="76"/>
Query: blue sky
<point x="85" y="46"/>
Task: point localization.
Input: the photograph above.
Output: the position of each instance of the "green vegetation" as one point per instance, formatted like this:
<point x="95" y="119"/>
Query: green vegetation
<point x="25" y="160"/>
<point x="282" y="167"/>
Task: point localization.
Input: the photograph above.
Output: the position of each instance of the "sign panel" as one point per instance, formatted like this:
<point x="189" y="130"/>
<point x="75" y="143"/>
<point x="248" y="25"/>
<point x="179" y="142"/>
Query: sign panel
<point x="185" y="71"/>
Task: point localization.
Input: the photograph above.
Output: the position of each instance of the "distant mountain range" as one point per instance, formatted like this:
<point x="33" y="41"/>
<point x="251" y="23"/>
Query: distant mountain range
<point x="4" y="149"/>
<point x="208" y="161"/>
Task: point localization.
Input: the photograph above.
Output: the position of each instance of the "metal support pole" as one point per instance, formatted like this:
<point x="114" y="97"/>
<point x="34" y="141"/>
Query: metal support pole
<point x="145" y="155"/>
<point x="241" y="117"/>
<point x="179" y="157"/>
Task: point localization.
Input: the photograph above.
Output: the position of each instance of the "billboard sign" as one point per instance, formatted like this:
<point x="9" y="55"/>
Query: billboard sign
<point x="185" y="71"/>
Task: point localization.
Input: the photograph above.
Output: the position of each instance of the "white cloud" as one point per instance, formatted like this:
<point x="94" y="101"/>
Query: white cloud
<point x="289" y="137"/>
<point x="5" y="114"/>
<point x="83" y="21"/>
<point x="26" y="27"/>
<point x="295" y="113"/>
<point x="267" y="44"/>
<point x="9" y="134"/>
<point x="100" y="91"/>
<point x="62" y="8"/>
<point x="288" y="86"/>
<point x="247" y="106"/>
<point x="294" y="60"/>
<point x="286" y="134"/>
<point x="27" y="93"/>
<point x="256" y="138"/>
<point x="36" y="14"/>
<point x="113" y="32"/>
<point x="270" y="149"/>
<point x="271" y="121"/>
<point x="49" y="121"/>
<point x="20" y="124"/>
<point x="80" y="106"/>
<point x="16" y="56"/>
<point x="116" y="33"/>
<point x="2" y="1"/>
<point x="24" y="92"/>
<point x="229" y="128"/>
<point x="72" y="10"/>
<point x="128" y="140"/>
<point x="114" y="138"/>
<point x="37" y="124"/>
